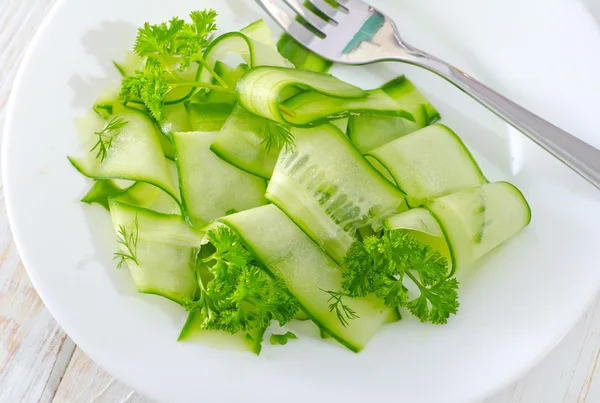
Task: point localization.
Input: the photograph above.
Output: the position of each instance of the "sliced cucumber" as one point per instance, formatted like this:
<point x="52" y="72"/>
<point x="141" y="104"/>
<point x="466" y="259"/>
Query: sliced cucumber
<point x="429" y="163"/>
<point x="208" y="117"/>
<point x="175" y="113"/>
<point x="328" y="189"/>
<point x="402" y="90"/>
<point x="424" y="227"/>
<point x="300" y="56"/>
<point x="240" y="143"/>
<point x="418" y="219"/>
<point x="241" y="139"/>
<point x="101" y="191"/>
<point x="341" y="124"/>
<point x="163" y="247"/>
<point x="149" y="197"/>
<point x="254" y="44"/>
<point x="301" y="315"/>
<point x="131" y="62"/>
<point x="210" y="186"/>
<point x="393" y="316"/>
<point x="290" y="255"/>
<point x="368" y="132"/>
<point x="311" y="108"/>
<point x="135" y="154"/>
<point x="176" y="119"/>
<point x="231" y="76"/>
<point x="193" y="333"/>
<point x="475" y="221"/>
<point x="259" y="31"/>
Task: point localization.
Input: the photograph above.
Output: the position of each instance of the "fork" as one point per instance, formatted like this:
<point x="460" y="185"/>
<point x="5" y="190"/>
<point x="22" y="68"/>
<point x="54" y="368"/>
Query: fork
<point x="354" y="32"/>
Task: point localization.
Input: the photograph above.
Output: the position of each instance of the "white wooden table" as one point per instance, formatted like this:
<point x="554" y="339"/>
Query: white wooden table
<point x="39" y="363"/>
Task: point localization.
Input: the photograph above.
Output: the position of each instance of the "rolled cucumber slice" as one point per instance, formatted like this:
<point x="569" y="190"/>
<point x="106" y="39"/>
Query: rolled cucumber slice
<point x="163" y="247"/>
<point x="254" y="44"/>
<point x="418" y="219"/>
<point x="429" y="163"/>
<point x="475" y="221"/>
<point x="259" y="91"/>
<point x="329" y="190"/>
<point x="311" y="108"/>
<point x="240" y="143"/>
<point x="242" y="341"/>
<point x="241" y="139"/>
<point x="210" y="187"/>
<point x="135" y="154"/>
<point x="287" y="253"/>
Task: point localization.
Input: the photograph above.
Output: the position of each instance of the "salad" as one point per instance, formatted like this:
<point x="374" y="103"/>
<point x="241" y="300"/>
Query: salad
<point x="252" y="188"/>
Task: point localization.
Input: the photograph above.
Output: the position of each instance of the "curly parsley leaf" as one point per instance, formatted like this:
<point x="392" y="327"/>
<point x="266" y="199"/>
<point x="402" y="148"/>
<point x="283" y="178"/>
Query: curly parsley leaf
<point x="239" y="295"/>
<point x="383" y="266"/>
<point x="168" y="49"/>
<point x="195" y="37"/>
<point x="149" y="85"/>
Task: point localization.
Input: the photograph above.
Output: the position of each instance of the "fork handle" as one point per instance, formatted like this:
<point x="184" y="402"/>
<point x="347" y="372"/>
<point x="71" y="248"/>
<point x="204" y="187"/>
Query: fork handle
<point x="577" y="154"/>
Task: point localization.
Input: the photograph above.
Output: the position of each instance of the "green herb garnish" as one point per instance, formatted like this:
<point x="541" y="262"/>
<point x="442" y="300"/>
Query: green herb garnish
<point x="239" y="295"/>
<point x="129" y="244"/>
<point x="382" y="266"/>
<point x="106" y="136"/>
<point x="168" y="49"/>
<point x="282" y="339"/>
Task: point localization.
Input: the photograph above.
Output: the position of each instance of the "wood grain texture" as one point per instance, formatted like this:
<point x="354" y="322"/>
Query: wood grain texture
<point x="34" y="351"/>
<point x="38" y="363"/>
<point x="85" y="382"/>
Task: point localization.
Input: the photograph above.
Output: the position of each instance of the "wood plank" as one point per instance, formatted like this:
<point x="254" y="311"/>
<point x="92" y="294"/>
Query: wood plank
<point x="34" y="351"/>
<point x="568" y="374"/>
<point x="85" y="381"/>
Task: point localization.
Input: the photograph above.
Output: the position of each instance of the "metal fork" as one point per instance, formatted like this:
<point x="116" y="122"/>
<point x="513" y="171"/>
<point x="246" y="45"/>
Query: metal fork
<point x="353" y="32"/>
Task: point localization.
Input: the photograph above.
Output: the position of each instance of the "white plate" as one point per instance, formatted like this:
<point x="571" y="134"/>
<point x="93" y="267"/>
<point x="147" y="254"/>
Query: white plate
<point x="518" y="303"/>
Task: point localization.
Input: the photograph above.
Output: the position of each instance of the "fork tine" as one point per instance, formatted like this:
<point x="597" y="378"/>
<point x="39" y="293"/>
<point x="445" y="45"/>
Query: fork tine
<point x="325" y="8"/>
<point x="310" y="17"/>
<point x="287" y="23"/>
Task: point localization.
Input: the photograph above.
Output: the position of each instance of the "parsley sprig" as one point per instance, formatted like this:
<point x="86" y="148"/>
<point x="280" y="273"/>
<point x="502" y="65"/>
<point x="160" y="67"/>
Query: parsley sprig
<point x="382" y="266"/>
<point x="234" y="294"/>
<point x="169" y="49"/>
